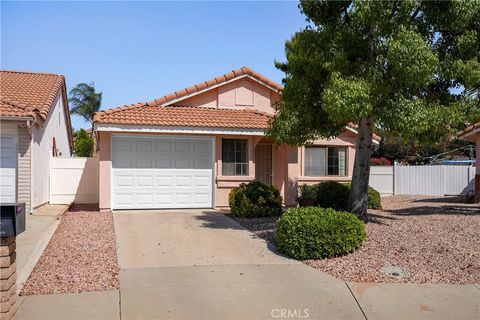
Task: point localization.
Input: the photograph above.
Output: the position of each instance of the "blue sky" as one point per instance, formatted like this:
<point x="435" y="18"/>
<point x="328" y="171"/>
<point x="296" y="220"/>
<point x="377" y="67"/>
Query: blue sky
<point x="137" y="51"/>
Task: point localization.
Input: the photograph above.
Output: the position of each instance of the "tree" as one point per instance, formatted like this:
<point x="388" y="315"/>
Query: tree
<point x="85" y="101"/>
<point x="404" y="67"/>
<point x="83" y="144"/>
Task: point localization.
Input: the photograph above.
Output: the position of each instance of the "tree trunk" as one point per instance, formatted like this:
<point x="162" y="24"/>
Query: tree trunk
<point x="358" y="200"/>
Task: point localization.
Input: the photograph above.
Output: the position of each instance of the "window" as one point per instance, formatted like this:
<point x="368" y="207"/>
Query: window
<point x="234" y="157"/>
<point x="325" y="161"/>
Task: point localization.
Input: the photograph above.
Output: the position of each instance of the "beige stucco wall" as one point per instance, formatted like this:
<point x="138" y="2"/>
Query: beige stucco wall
<point x="104" y="170"/>
<point x="23" y="174"/>
<point x="43" y="133"/>
<point x="242" y="93"/>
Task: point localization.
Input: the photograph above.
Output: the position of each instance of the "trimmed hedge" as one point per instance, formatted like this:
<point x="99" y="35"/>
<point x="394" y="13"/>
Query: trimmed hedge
<point x="316" y="233"/>
<point x="331" y="194"/>
<point x="255" y="199"/>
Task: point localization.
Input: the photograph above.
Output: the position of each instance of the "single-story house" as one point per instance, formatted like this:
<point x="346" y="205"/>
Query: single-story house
<point x="34" y="125"/>
<point x="472" y="134"/>
<point x="188" y="149"/>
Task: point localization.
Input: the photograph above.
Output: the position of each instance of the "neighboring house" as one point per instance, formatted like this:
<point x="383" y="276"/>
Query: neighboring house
<point x="472" y="134"/>
<point x="188" y="149"/>
<point x="34" y="125"/>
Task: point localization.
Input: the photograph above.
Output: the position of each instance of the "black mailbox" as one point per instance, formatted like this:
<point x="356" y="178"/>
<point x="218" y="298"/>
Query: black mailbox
<point x="12" y="221"/>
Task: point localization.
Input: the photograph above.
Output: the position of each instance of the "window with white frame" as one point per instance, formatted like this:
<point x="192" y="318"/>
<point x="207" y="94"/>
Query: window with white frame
<point x="325" y="161"/>
<point x="234" y="157"/>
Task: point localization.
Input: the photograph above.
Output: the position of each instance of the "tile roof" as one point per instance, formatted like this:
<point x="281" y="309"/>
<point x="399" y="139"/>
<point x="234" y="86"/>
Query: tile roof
<point x="31" y="94"/>
<point x="185" y="116"/>
<point x="158" y="111"/>
<point x="474" y="127"/>
<point x="29" y="91"/>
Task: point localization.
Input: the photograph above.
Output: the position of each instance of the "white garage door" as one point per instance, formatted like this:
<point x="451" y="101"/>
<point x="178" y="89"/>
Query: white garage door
<point x="161" y="172"/>
<point x="8" y="168"/>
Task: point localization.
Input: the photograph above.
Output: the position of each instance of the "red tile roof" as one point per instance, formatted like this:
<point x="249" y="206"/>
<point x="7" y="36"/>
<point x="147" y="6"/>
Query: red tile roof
<point x="474" y="127"/>
<point x="155" y="112"/>
<point x="31" y="94"/>
<point x="185" y="116"/>
<point x="30" y="91"/>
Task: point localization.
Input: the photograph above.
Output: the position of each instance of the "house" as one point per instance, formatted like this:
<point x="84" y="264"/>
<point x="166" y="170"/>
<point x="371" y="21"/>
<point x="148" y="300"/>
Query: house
<point x="472" y="134"/>
<point x="34" y="125"/>
<point x="188" y="149"/>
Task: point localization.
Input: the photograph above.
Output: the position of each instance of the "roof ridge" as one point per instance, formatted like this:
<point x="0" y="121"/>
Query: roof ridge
<point x="33" y="72"/>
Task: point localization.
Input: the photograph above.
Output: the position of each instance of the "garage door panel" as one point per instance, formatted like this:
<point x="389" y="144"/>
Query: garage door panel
<point x="160" y="172"/>
<point x="145" y="181"/>
<point x="164" y="146"/>
<point x="163" y="199"/>
<point x="182" y="163"/>
<point x="164" y="163"/>
<point x="123" y="145"/>
<point x="145" y="145"/>
<point x="145" y="163"/>
<point x="8" y="168"/>
<point x="123" y="199"/>
<point x="145" y="199"/>
<point x="166" y="181"/>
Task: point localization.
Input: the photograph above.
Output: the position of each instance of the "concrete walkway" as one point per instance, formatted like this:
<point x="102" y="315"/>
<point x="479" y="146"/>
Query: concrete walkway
<point x="31" y="244"/>
<point x="194" y="264"/>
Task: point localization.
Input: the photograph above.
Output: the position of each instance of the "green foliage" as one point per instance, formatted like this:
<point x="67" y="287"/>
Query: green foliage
<point x="83" y="144"/>
<point x="316" y="233"/>
<point x="410" y="68"/>
<point x="85" y="101"/>
<point x="255" y="199"/>
<point x="374" y="199"/>
<point x="332" y="194"/>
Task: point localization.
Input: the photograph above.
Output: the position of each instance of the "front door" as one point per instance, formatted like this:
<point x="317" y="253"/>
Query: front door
<point x="263" y="163"/>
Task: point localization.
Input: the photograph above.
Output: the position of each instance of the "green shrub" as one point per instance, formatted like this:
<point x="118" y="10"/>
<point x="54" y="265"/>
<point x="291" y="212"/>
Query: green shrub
<point x="315" y="233"/>
<point x="255" y="199"/>
<point x="83" y="144"/>
<point x="307" y="195"/>
<point x="374" y="199"/>
<point x="331" y="194"/>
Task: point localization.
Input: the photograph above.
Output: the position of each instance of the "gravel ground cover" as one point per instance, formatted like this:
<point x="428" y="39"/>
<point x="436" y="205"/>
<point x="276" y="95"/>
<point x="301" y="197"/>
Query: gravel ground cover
<point x="435" y="240"/>
<point x="80" y="257"/>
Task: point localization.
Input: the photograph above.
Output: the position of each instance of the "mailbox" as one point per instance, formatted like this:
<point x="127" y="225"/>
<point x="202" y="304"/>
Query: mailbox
<point x="12" y="221"/>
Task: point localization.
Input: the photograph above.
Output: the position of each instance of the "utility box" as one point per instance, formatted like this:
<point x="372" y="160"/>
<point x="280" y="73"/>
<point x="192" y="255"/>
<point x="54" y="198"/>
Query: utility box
<point x="12" y="219"/>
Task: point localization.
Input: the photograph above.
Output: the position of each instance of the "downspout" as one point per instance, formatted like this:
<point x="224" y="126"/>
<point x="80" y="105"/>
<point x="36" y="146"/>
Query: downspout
<point x="29" y="127"/>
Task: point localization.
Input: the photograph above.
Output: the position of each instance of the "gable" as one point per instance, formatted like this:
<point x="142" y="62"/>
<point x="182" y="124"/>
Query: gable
<point x="239" y="93"/>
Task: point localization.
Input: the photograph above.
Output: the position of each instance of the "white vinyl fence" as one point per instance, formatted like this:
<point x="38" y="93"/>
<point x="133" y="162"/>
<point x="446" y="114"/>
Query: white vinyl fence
<point x="73" y="180"/>
<point x="441" y="180"/>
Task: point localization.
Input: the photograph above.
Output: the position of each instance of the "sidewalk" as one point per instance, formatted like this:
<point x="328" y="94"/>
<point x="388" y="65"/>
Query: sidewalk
<point x="31" y="244"/>
<point x="220" y="293"/>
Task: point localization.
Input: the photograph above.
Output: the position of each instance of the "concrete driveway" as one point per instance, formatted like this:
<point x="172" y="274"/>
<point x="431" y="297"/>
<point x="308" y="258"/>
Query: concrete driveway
<point x="147" y="239"/>
<point x="201" y="264"/>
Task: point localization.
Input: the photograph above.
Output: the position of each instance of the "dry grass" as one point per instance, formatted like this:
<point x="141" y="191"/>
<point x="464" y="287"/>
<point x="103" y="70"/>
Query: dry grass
<point x="80" y="257"/>
<point x="436" y="240"/>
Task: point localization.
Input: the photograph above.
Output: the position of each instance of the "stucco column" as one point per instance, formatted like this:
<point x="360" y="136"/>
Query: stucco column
<point x="8" y="278"/>
<point x="105" y="170"/>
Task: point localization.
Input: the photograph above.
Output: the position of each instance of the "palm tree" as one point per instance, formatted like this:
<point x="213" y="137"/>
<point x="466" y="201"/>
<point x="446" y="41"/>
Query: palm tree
<point x="85" y="101"/>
